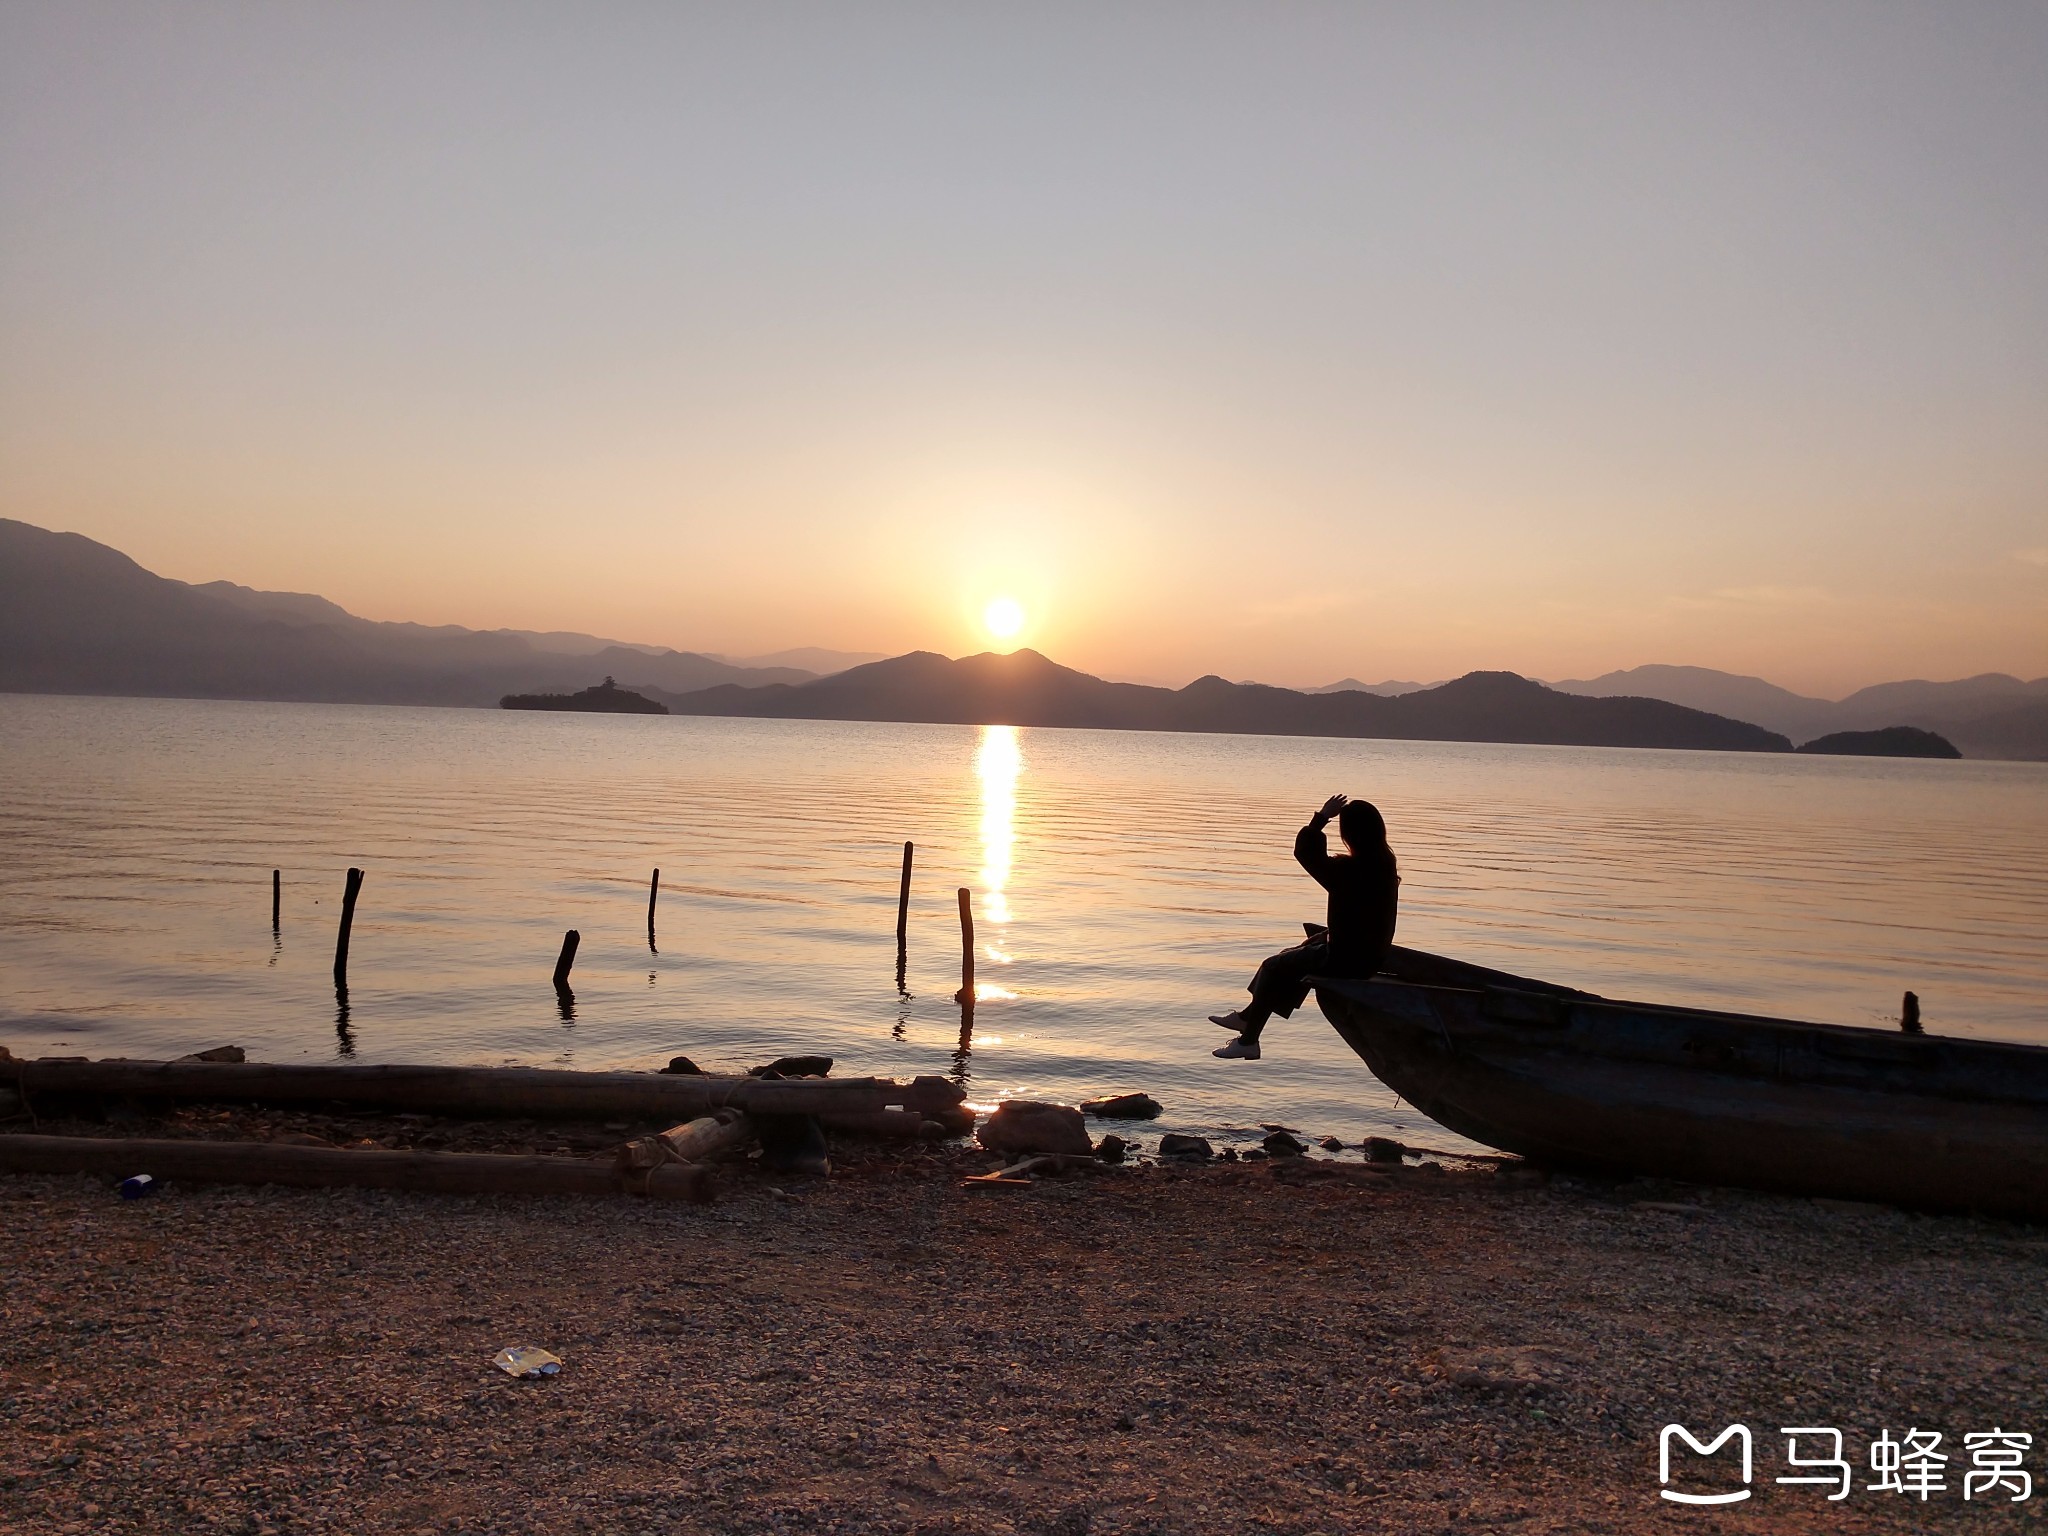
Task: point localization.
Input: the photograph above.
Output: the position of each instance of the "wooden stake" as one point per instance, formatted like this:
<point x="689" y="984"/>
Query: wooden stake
<point x="966" y="993"/>
<point x="276" y="896"/>
<point x="1909" y="1015"/>
<point x="348" y="916"/>
<point x="903" y="901"/>
<point x="566" y="959"/>
<point x="653" y="891"/>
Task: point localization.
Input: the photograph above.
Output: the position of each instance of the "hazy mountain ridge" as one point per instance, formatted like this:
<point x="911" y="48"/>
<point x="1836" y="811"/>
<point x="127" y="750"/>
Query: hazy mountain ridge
<point x="1990" y="715"/>
<point x="1025" y="688"/>
<point x="79" y="617"/>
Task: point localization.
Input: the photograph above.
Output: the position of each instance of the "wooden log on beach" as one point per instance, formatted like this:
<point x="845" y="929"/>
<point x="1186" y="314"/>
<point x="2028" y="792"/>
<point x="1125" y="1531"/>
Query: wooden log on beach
<point x="259" y="1162"/>
<point x="352" y="889"/>
<point x="465" y="1092"/>
<point x="965" y="995"/>
<point x="566" y="959"/>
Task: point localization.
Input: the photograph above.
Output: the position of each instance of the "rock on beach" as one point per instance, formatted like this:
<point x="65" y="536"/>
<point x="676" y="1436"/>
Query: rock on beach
<point x="1024" y="1126"/>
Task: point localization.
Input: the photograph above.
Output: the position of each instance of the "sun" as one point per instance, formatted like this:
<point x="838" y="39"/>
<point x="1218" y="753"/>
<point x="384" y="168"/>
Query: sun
<point x="1004" y="618"/>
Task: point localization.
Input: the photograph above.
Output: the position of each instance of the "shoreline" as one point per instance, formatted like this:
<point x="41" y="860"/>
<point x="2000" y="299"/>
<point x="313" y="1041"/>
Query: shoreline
<point x="1277" y="1347"/>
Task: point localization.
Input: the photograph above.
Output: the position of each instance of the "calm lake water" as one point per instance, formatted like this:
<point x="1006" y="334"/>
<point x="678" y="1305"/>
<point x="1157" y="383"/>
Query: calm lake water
<point x="1124" y="883"/>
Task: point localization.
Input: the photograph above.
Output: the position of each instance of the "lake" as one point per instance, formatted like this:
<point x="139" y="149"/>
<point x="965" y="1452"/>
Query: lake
<point x="1124" y="886"/>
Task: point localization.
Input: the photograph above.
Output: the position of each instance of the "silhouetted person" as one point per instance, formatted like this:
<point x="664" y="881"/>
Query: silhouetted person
<point x="1364" y="888"/>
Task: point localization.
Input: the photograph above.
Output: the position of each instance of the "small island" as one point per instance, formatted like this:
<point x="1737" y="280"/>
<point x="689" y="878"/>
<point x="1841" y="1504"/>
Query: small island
<point x="607" y="698"/>
<point x="1892" y="741"/>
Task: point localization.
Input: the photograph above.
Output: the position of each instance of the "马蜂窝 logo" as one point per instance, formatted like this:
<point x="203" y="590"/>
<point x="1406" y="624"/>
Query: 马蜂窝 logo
<point x="1736" y="1432"/>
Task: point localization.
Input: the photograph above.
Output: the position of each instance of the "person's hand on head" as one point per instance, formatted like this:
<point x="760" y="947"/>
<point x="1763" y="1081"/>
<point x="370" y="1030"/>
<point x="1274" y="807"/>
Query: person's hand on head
<point x="1331" y="807"/>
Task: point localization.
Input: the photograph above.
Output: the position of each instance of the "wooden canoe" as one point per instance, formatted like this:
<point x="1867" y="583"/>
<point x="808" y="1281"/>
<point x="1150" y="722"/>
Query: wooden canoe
<point x="1576" y="1081"/>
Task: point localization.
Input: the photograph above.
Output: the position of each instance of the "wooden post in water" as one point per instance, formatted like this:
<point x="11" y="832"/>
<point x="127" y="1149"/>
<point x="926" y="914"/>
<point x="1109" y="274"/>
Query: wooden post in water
<point x="653" y="893"/>
<point x="1909" y="1014"/>
<point x="566" y="959"/>
<point x="276" y="896"/>
<point x="348" y="916"/>
<point x="903" y="901"/>
<point x="965" y="995"/>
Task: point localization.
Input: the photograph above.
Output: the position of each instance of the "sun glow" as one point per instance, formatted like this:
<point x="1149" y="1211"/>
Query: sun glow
<point x="1004" y="618"/>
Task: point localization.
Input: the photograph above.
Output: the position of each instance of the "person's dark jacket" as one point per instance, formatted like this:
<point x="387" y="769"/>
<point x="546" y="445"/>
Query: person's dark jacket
<point x="1364" y="892"/>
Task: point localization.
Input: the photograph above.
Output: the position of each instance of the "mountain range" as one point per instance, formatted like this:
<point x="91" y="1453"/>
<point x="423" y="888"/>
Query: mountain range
<point x="1025" y="688"/>
<point x="79" y="617"/>
<point x="1991" y="715"/>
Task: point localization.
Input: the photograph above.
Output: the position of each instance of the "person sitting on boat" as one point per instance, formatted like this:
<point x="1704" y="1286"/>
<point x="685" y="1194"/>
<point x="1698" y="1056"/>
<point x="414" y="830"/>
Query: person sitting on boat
<point x="1364" y="888"/>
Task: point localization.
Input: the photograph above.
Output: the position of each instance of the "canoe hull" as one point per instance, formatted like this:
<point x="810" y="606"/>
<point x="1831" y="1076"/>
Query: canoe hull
<point x="1580" y="1082"/>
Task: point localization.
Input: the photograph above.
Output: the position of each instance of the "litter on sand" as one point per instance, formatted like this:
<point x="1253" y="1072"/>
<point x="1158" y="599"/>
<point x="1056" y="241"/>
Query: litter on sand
<point x="527" y="1361"/>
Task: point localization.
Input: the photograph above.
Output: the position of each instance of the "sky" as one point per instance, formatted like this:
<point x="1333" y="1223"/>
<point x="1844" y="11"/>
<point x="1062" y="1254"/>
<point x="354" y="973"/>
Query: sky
<point x="1283" y="342"/>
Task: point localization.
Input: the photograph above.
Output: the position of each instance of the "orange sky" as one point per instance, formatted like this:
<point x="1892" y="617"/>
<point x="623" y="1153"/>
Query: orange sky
<point x="1343" y="343"/>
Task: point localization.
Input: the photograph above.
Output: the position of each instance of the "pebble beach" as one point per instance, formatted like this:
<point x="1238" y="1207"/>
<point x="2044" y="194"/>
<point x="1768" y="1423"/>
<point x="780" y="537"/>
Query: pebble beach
<point x="1291" y="1346"/>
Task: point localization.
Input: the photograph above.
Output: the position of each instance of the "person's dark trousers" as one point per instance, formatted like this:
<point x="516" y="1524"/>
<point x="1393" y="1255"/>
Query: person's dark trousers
<point x="1281" y="983"/>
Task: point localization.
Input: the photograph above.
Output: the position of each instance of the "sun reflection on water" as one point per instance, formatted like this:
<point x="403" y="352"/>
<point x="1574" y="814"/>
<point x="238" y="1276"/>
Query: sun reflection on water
<point x="998" y="763"/>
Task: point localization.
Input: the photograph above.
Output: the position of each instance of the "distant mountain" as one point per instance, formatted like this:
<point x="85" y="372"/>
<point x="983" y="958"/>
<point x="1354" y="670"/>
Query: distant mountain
<point x="1719" y="693"/>
<point x="78" y="617"/>
<point x="2019" y="734"/>
<point x="809" y="658"/>
<point x="1384" y="690"/>
<point x="1992" y="715"/>
<point x="1024" y="688"/>
<point x="1919" y="702"/>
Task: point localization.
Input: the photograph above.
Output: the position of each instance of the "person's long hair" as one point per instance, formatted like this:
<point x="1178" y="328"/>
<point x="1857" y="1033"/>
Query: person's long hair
<point x="1364" y="831"/>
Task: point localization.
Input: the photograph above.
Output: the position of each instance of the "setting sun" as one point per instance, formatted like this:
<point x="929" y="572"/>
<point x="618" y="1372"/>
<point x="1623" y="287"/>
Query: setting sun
<point x="1004" y="618"/>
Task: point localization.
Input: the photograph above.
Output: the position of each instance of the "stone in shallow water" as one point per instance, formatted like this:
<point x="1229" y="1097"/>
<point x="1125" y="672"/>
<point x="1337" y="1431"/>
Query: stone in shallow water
<point x="1381" y="1149"/>
<point x="1124" y="1106"/>
<point x="682" y="1066"/>
<point x="1280" y="1144"/>
<point x="1174" y="1144"/>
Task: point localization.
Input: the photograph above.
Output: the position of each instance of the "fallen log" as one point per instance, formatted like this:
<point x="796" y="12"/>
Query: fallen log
<point x="259" y="1162"/>
<point x="465" y="1092"/>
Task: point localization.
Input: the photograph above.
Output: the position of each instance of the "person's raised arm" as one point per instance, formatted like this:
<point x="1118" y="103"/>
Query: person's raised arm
<point x="1310" y="851"/>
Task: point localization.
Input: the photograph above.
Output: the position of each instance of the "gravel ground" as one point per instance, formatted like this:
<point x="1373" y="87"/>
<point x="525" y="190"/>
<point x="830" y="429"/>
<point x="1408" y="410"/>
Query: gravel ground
<point x="1285" y="1347"/>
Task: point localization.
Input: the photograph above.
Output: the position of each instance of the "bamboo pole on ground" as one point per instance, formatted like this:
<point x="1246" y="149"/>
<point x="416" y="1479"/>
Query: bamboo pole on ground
<point x="462" y="1092"/>
<point x="352" y="889"/>
<point x="258" y="1162"/>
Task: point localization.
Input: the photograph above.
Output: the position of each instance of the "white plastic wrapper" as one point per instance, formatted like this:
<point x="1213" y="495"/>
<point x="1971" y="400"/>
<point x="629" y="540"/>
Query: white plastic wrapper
<point x="527" y="1361"/>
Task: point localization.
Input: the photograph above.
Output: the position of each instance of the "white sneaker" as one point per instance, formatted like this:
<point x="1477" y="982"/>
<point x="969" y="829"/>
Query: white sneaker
<point x="1232" y="1021"/>
<point x="1239" y="1049"/>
